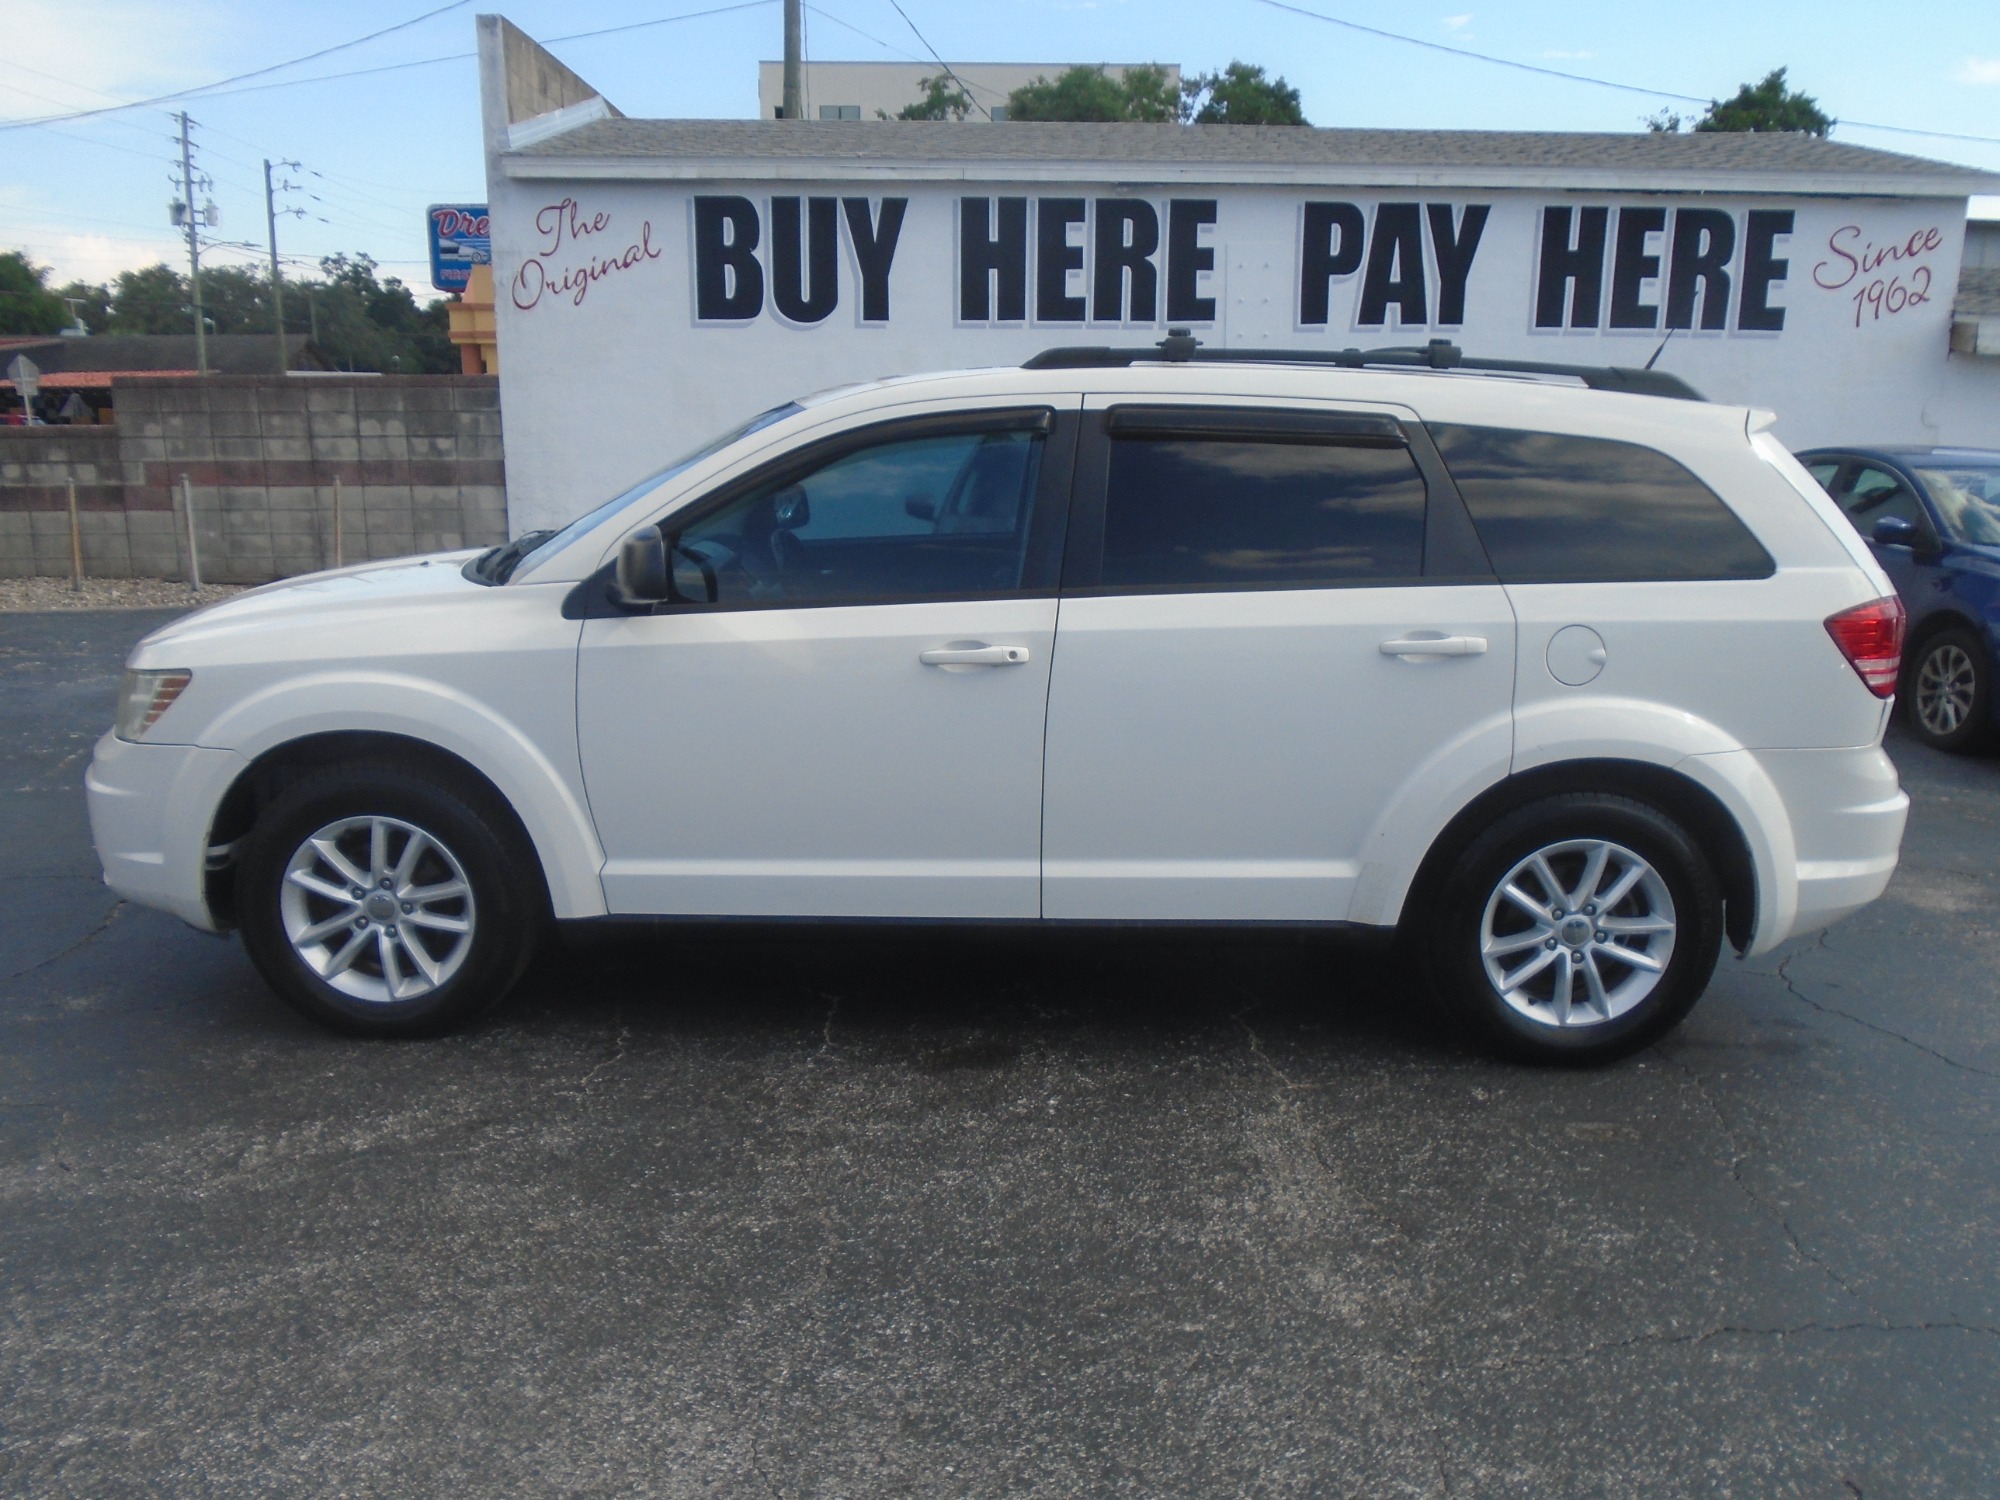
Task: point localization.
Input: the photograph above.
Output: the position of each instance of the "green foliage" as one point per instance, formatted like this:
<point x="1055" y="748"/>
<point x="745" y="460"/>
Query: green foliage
<point x="941" y="101"/>
<point x="26" y="303"/>
<point x="154" y="300"/>
<point x="1241" y="95"/>
<point x="1766" y="106"/>
<point x="366" y="324"/>
<point x="361" y="322"/>
<point x="1085" y="93"/>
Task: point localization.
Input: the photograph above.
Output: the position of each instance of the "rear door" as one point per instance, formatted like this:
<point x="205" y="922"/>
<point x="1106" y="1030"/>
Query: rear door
<point x="1274" y="620"/>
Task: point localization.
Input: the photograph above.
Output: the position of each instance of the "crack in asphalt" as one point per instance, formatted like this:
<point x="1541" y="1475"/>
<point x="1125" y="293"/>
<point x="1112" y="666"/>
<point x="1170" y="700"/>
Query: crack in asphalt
<point x="1833" y="1010"/>
<point x="81" y="943"/>
<point x="1737" y="1156"/>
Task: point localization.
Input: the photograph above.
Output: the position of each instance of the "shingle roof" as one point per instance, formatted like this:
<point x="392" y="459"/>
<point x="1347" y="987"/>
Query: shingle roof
<point x="1636" y="159"/>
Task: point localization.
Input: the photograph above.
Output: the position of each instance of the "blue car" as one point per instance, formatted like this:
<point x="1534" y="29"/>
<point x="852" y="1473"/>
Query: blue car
<point x="1932" y="518"/>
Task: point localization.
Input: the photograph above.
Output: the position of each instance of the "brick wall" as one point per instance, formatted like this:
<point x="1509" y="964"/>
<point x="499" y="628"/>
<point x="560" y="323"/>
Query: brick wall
<point x="418" y="459"/>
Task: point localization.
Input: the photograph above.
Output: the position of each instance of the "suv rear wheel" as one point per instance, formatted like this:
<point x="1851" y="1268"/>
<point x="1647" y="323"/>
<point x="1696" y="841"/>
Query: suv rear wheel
<point x="379" y="902"/>
<point x="1576" y="929"/>
<point x="1950" y="691"/>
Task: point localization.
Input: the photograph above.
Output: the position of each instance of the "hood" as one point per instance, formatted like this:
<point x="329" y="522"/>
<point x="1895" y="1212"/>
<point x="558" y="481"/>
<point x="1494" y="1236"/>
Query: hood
<point x="328" y="598"/>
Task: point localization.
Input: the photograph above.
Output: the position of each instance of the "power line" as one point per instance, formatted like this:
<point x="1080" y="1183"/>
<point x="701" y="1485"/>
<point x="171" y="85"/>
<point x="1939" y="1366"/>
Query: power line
<point x="865" y="36"/>
<point x="939" y="60"/>
<point x="1567" y="77"/>
<point x="239" y="77"/>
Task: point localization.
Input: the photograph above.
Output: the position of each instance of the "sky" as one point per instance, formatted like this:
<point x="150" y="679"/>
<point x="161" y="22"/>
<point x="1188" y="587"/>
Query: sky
<point x="89" y="197"/>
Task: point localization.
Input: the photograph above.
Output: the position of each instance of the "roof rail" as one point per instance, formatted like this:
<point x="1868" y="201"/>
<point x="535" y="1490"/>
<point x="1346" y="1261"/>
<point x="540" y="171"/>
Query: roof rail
<point x="1180" y="347"/>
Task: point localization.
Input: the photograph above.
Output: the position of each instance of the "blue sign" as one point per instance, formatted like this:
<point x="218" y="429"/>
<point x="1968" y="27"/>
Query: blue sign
<point x="460" y="240"/>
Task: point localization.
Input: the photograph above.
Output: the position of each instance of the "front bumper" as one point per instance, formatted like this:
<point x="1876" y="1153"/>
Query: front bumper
<point x="151" y="807"/>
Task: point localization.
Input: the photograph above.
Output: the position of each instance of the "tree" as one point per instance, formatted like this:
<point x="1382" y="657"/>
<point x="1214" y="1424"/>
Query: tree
<point x="1086" y="93"/>
<point x="1241" y="95"/>
<point x="941" y="101"/>
<point x="366" y="324"/>
<point x="26" y="303"/>
<point x="1766" y="106"/>
<point x="153" y="300"/>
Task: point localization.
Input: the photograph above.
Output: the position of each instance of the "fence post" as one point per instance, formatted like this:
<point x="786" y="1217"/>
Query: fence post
<point x="194" y="554"/>
<point x="339" y="542"/>
<point x="75" y="544"/>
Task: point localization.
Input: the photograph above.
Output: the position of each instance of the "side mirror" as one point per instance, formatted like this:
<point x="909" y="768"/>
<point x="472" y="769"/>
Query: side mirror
<point x="642" y="569"/>
<point x="1895" y="531"/>
<point x="920" y="509"/>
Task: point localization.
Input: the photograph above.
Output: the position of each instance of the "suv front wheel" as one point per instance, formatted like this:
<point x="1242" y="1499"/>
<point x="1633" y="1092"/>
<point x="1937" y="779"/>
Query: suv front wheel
<point x="1576" y="929"/>
<point x="379" y="902"/>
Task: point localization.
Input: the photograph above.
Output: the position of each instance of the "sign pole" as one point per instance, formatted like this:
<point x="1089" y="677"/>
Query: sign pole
<point x="194" y="556"/>
<point x="75" y="544"/>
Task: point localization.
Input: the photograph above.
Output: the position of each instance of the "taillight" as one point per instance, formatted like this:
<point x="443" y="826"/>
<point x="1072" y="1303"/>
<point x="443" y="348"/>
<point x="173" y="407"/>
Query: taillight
<point x="1870" y="636"/>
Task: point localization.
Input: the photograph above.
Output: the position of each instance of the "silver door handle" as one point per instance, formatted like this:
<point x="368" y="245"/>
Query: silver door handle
<point x="974" y="656"/>
<point x="1437" y="645"/>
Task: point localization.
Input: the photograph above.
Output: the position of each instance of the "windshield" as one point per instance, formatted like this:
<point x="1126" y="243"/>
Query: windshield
<point x="1967" y="496"/>
<point x="646" y="486"/>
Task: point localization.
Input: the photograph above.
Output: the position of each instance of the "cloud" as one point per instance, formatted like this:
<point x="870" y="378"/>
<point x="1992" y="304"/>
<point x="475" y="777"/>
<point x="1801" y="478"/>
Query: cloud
<point x="1978" y="70"/>
<point x="1458" y="23"/>
<point x="125" y="48"/>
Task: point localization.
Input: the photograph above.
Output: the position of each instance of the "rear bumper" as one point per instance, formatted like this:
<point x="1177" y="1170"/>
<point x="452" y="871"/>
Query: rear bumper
<point x="151" y="807"/>
<point x="1847" y="813"/>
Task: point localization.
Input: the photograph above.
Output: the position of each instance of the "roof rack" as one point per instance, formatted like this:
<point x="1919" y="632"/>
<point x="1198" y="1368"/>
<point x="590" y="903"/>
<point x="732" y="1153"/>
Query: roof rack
<point x="1181" y="347"/>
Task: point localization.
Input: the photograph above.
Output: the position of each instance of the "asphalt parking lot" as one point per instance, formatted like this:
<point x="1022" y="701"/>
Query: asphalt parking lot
<point x="842" y="1215"/>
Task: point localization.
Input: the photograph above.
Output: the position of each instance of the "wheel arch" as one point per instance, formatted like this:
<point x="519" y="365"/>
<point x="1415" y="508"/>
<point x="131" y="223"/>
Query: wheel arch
<point x="261" y="781"/>
<point x="1714" y="828"/>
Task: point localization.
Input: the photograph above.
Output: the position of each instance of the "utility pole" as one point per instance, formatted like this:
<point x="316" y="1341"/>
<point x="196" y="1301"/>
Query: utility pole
<point x="194" y="248"/>
<point x="277" y="280"/>
<point x="795" y="106"/>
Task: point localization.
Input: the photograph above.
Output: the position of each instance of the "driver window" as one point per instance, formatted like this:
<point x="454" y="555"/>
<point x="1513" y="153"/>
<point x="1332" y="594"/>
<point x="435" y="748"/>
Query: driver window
<point x="924" y="517"/>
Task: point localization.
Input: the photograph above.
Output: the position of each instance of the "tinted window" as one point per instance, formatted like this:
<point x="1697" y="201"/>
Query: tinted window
<point x="1224" y="513"/>
<point x="1873" y="494"/>
<point x="1823" y="473"/>
<point x="921" y="518"/>
<point x="1557" y="509"/>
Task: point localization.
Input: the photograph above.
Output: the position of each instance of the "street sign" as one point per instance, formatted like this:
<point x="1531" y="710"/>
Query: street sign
<point x="460" y="240"/>
<point x="27" y="378"/>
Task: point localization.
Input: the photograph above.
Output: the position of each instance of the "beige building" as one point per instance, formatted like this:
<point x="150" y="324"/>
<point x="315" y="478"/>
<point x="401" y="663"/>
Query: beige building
<point x="856" y="90"/>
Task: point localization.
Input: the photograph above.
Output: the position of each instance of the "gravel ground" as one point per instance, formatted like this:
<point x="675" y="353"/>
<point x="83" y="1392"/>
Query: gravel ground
<point x="28" y="594"/>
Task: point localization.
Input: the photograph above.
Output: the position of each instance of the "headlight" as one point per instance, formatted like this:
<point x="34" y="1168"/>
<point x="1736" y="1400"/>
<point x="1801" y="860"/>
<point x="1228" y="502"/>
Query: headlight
<point x="144" y="696"/>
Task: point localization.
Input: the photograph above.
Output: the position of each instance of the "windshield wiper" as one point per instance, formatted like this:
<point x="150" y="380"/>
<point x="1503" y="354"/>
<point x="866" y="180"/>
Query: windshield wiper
<point x="497" y="564"/>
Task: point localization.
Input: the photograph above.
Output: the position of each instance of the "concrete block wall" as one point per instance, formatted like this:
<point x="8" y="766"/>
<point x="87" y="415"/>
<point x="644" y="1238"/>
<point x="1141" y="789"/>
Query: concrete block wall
<point x="416" y="459"/>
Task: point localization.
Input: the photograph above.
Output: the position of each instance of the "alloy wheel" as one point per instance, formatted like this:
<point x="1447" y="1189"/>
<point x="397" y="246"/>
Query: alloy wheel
<point x="1947" y="681"/>
<point x="377" y="908"/>
<point x="1577" y="933"/>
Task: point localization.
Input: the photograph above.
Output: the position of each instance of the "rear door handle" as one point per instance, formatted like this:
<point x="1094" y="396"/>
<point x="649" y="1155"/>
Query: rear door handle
<point x="974" y="656"/>
<point x="1436" y="645"/>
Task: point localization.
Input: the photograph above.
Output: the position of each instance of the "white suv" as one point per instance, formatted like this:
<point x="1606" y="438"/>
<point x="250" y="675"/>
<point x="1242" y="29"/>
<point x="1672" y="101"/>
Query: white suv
<point x="1563" y="681"/>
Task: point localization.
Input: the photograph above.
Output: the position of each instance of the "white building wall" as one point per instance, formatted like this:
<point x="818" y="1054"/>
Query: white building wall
<point x="608" y="371"/>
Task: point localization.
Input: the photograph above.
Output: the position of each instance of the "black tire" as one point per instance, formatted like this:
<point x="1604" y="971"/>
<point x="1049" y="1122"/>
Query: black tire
<point x="1682" y="891"/>
<point x="504" y="911"/>
<point x="1948" y="691"/>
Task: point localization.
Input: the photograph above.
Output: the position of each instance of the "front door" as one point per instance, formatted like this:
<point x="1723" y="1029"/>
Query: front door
<point x="842" y="715"/>
<point x="1276" y="623"/>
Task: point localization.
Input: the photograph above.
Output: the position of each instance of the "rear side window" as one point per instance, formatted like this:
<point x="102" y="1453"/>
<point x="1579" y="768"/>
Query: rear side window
<point x="1558" y="509"/>
<point x="1230" y="512"/>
